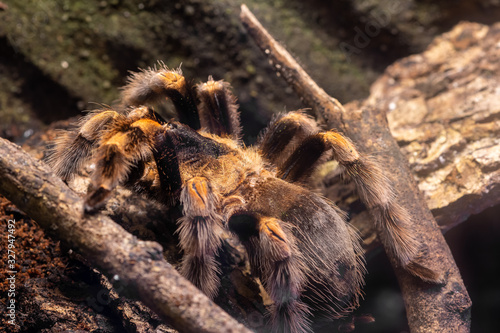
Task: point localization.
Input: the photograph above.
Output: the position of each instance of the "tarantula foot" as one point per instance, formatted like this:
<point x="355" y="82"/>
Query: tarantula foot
<point x="173" y="80"/>
<point x="424" y="273"/>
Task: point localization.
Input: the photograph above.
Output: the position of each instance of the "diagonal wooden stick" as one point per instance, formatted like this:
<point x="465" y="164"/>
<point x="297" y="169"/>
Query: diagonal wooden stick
<point x="430" y="308"/>
<point x="138" y="265"/>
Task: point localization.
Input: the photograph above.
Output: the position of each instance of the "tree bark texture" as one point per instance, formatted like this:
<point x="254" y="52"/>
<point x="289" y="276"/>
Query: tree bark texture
<point x="430" y="308"/>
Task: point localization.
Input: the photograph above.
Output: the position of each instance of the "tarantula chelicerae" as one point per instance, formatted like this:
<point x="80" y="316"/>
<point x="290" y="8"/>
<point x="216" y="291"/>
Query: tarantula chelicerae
<point x="299" y="245"/>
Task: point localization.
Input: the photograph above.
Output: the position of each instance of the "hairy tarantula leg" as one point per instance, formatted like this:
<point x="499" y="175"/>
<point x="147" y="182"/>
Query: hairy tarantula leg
<point x="374" y="190"/>
<point x="283" y="135"/>
<point x="72" y="148"/>
<point x="141" y="179"/>
<point x="279" y="265"/>
<point x="151" y="85"/>
<point x="167" y="165"/>
<point x="218" y="108"/>
<point x="146" y="113"/>
<point x="283" y="278"/>
<point x="200" y="231"/>
<point x="123" y="147"/>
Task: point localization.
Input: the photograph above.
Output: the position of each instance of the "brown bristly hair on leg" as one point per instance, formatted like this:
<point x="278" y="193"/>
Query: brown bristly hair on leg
<point x="200" y="231"/>
<point x="126" y="143"/>
<point x="218" y="108"/>
<point x="394" y="222"/>
<point x="374" y="189"/>
<point x="153" y="85"/>
<point x="272" y="250"/>
<point x="285" y="132"/>
<point x="147" y="86"/>
<point x="73" y="147"/>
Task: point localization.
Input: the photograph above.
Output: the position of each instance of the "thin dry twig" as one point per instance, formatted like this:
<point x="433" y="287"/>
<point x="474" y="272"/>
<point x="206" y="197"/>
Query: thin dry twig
<point x="430" y="308"/>
<point x="138" y="265"/>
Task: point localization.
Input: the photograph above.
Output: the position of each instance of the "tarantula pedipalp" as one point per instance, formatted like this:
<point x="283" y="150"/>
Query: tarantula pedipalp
<point x="299" y="245"/>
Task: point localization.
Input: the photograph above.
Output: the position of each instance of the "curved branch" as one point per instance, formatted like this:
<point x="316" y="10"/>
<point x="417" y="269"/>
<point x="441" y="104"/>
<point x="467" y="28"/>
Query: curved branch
<point x="430" y="308"/>
<point x="137" y="265"/>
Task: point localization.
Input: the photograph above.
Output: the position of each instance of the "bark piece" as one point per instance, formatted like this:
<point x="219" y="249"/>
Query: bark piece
<point x="444" y="111"/>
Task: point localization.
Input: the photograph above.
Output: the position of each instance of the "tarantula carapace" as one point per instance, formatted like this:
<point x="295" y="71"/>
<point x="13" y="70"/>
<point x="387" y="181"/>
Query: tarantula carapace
<point x="308" y="258"/>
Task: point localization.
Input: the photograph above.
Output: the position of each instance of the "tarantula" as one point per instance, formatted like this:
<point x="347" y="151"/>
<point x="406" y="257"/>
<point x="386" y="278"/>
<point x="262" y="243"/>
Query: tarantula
<point x="308" y="258"/>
